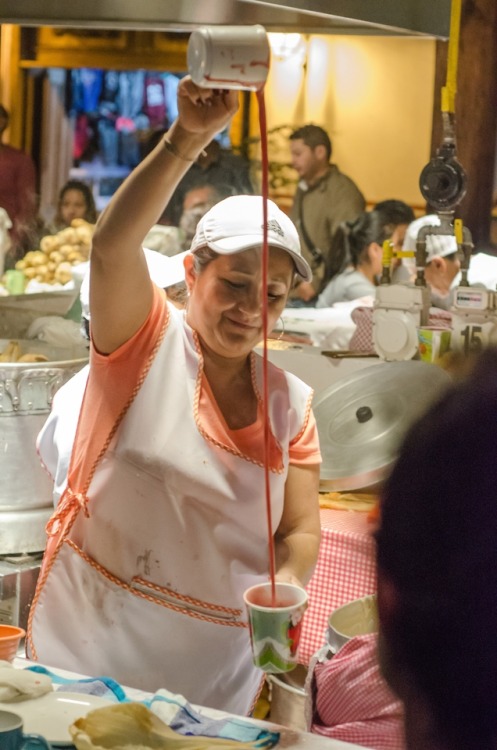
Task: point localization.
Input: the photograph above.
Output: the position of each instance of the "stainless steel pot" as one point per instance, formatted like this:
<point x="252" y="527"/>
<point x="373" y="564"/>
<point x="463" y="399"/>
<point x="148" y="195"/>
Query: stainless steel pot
<point x="26" y="393"/>
<point x="288" y="698"/>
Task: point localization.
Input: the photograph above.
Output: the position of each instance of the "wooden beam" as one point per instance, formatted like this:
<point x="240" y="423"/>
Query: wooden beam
<point x="476" y="112"/>
<point x="11" y="83"/>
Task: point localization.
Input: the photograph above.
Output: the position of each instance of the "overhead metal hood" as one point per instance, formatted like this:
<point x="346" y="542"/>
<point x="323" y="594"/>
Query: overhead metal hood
<point x="397" y="17"/>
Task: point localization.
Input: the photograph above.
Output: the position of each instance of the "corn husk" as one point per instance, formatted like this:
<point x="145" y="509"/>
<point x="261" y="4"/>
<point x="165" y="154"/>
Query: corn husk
<point x="12" y="353"/>
<point x="359" y="501"/>
<point x="132" y="726"/>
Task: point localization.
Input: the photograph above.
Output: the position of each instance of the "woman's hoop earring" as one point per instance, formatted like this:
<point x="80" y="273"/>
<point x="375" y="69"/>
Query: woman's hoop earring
<point x="282" y="332"/>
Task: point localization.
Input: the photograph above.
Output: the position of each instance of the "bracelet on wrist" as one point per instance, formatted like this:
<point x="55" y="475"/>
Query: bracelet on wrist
<point x="172" y="149"/>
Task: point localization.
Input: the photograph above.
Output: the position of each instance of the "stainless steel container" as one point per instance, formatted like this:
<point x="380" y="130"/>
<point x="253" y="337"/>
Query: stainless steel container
<point x="288" y="698"/>
<point x="18" y="577"/>
<point x="26" y="393"/>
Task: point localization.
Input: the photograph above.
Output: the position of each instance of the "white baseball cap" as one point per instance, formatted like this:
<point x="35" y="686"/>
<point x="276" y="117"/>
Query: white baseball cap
<point x="164" y="271"/>
<point x="236" y="224"/>
<point x="439" y="245"/>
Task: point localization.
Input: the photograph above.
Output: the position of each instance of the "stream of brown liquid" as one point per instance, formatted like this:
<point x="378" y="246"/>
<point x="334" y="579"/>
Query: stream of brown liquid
<point x="265" y="388"/>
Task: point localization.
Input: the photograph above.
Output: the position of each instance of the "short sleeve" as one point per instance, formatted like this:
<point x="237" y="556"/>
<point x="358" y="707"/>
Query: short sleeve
<point x="304" y="449"/>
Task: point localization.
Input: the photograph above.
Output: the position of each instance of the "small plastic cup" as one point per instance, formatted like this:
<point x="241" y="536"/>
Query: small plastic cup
<point x="433" y="343"/>
<point x="275" y="631"/>
<point x="15" y="281"/>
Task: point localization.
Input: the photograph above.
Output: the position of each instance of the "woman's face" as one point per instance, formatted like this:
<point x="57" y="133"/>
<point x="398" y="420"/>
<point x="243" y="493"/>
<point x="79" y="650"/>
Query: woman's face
<point x="225" y="305"/>
<point x="375" y="253"/>
<point x="72" y="206"/>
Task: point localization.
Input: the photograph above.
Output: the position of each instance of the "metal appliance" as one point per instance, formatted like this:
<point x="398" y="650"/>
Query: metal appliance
<point x="362" y="419"/>
<point x="18" y="577"/>
<point x="410" y="17"/>
<point x="317" y="366"/>
<point x="26" y="393"/>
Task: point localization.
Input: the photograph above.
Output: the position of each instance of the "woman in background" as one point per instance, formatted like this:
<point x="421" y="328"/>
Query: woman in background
<point x="75" y="202"/>
<point x="362" y="240"/>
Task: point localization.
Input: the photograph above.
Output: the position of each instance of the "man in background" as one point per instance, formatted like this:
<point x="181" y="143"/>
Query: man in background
<point x="225" y="171"/>
<point x="324" y="199"/>
<point x="17" y="191"/>
<point x="397" y="216"/>
<point x="196" y="202"/>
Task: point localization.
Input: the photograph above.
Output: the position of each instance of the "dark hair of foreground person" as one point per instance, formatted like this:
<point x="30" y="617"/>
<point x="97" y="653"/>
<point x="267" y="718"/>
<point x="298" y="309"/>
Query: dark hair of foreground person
<point x="437" y="569"/>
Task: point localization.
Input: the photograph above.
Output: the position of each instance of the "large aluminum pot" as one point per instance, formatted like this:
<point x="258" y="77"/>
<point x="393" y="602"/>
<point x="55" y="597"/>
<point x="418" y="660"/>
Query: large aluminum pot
<point x="26" y="393"/>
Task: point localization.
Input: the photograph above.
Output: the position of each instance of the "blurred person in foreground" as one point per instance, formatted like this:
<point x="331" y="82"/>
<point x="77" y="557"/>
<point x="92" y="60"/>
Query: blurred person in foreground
<point x="437" y="569"/>
<point x="161" y="524"/>
<point x="325" y="198"/>
<point x="17" y="192"/>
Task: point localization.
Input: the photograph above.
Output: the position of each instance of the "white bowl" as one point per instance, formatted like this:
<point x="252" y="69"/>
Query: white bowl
<point x="359" y="617"/>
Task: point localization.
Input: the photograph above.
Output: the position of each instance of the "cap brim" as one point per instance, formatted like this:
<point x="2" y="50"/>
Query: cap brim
<point x="232" y="245"/>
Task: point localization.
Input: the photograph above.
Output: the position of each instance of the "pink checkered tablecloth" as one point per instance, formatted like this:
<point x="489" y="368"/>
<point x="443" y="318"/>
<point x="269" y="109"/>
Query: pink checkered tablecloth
<point x="345" y="571"/>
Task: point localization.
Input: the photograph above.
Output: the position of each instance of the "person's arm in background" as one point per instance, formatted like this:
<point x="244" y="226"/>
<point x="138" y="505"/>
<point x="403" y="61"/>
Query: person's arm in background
<point x="120" y="289"/>
<point x="299" y="532"/>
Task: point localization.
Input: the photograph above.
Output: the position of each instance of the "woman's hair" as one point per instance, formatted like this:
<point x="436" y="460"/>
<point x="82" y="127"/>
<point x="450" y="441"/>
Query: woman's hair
<point x="205" y="255"/>
<point x="395" y="212"/>
<point x="437" y="544"/>
<point x="85" y="190"/>
<point x="352" y="238"/>
<point x="202" y="257"/>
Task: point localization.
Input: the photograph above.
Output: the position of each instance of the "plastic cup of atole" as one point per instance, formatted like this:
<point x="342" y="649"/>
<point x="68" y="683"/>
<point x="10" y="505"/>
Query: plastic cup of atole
<point x="275" y="630"/>
<point x="433" y="343"/>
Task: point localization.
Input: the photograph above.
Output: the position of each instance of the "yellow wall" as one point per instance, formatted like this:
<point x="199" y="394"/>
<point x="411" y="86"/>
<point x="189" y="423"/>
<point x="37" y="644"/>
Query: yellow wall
<point x="374" y="96"/>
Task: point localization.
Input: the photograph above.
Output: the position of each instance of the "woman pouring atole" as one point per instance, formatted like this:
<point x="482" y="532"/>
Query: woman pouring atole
<point x="161" y="522"/>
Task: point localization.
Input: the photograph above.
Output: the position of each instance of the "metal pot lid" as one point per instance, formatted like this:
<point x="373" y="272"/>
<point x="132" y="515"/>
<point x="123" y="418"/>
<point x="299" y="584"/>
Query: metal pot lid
<point x="363" y="418"/>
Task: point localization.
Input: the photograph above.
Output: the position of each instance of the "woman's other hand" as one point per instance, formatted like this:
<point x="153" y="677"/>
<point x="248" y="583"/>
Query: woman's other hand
<point x="284" y="577"/>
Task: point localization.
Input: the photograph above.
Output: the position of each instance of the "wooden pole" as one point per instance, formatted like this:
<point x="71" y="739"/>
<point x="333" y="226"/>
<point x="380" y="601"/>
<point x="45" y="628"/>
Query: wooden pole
<point x="476" y="113"/>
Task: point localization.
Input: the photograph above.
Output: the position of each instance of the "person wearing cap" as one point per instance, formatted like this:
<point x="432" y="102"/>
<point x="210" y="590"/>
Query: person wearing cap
<point x="443" y="267"/>
<point x="162" y="475"/>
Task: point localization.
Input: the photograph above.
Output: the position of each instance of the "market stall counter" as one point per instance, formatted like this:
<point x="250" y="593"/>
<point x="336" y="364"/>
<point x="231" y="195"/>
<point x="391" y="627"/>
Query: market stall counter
<point x="71" y="696"/>
<point x="345" y="571"/>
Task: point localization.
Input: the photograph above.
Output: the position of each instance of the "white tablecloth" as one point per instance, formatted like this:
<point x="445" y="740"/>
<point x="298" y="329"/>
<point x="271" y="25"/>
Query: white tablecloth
<point x="289" y="738"/>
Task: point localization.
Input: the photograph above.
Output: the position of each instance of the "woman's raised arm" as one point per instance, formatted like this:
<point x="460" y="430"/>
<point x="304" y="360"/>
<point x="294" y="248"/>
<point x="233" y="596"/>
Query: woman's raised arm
<point x="120" y="288"/>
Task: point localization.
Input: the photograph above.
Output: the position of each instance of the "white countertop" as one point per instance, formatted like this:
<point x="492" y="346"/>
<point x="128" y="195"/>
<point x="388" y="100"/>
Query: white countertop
<point x="289" y="738"/>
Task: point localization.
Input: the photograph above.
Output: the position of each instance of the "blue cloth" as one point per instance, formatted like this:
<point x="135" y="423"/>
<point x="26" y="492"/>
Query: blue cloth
<point x="185" y="720"/>
<point x="106" y="687"/>
<point x="174" y="710"/>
